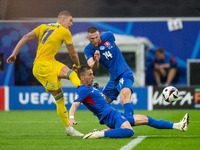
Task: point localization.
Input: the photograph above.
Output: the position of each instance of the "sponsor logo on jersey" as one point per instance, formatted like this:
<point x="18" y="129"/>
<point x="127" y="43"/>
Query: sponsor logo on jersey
<point x="107" y="44"/>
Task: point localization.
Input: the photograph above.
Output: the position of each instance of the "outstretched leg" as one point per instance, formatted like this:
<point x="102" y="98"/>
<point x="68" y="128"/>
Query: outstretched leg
<point x="124" y="131"/>
<point x="159" y="124"/>
<point x="62" y="112"/>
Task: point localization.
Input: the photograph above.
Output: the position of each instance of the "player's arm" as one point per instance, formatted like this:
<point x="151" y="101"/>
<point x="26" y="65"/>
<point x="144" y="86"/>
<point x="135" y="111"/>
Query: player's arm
<point x="72" y="113"/>
<point x="93" y="62"/>
<point x="30" y="36"/>
<point x="165" y="66"/>
<point x="73" y="54"/>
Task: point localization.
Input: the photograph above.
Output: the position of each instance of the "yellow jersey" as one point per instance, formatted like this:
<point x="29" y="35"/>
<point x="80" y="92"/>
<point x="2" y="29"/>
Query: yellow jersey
<point x="50" y="38"/>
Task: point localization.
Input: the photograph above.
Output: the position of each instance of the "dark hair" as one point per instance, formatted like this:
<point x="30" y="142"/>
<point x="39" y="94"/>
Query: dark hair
<point x="160" y="50"/>
<point x="81" y="71"/>
<point x="92" y="29"/>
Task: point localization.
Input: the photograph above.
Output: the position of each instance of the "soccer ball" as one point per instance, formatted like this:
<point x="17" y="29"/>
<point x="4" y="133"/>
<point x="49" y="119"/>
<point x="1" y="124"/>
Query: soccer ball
<point x="170" y="94"/>
<point x="96" y="84"/>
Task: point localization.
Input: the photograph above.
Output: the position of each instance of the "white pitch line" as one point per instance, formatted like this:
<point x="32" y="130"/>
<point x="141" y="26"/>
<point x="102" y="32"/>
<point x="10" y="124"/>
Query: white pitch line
<point x="174" y="136"/>
<point x="133" y="143"/>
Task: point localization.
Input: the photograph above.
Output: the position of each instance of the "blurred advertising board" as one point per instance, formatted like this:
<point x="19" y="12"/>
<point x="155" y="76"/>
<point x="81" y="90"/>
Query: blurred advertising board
<point x="36" y="98"/>
<point x="189" y="98"/>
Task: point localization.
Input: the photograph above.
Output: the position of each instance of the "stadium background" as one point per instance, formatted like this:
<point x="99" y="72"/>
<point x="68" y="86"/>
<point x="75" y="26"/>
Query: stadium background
<point x="173" y="25"/>
<point x="132" y="18"/>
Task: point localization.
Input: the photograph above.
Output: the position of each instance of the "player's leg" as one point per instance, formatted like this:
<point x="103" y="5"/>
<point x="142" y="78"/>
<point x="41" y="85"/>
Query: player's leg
<point x="62" y="112"/>
<point x="146" y="120"/>
<point x="125" y="84"/>
<point x="116" y="120"/>
<point x="124" y="131"/>
<point x="160" y="124"/>
<point x="114" y="133"/>
<point x="47" y="74"/>
<point x="170" y="76"/>
<point x="157" y="76"/>
<point x="60" y="105"/>
<point x="125" y="97"/>
<point x="57" y="70"/>
<point x="69" y="74"/>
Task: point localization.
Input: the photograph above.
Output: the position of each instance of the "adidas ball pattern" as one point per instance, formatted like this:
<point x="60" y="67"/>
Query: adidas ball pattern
<point x="170" y="94"/>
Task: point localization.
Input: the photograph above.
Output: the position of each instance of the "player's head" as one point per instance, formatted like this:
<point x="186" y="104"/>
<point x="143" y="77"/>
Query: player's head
<point x="85" y="74"/>
<point x="159" y="54"/>
<point x="65" y="19"/>
<point x="93" y="36"/>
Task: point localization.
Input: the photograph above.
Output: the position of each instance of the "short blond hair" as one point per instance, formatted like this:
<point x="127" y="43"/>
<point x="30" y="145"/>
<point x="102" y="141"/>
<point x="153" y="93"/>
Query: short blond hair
<point x="64" y="13"/>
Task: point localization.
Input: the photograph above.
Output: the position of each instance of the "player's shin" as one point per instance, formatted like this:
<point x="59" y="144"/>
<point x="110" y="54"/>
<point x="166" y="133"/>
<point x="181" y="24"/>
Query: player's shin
<point x="159" y="124"/>
<point x="72" y="76"/>
<point x="128" y="109"/>
<point x="119" y="133"/>
<point x="61" y="109"/>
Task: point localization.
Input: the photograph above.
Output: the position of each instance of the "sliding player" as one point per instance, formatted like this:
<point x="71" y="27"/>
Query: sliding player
<point x="121" y="125"/>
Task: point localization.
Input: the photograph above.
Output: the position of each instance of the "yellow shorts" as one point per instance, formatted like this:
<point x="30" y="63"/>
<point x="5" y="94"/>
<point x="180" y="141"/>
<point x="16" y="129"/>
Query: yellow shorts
<point x="47" y="72"/>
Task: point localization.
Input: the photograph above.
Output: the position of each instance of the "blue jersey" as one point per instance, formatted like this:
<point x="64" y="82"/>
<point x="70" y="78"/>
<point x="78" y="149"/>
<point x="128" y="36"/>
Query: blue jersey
<point x="167" y="60"/>
<point x="94" y="101"/>
<point x="110" y="55"/>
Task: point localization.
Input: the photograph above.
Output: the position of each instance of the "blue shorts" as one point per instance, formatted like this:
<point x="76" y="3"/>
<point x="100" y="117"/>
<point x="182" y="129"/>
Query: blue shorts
<point x="113" y="87"/>
<point x="114" y="119"/>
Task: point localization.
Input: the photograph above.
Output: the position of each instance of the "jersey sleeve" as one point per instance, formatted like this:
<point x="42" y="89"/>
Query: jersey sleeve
<point x="88" y="52"/>
<point x="37" y="31"/>
<point x="173" y="62"/>
<point x="68" y="38"/>
<point x="81" y="94"/>
<point x="108" y="36"/>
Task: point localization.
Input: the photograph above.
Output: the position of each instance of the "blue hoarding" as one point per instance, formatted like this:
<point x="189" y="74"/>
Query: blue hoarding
<point x="138" y="99"/>
<point x="36" y="98"/>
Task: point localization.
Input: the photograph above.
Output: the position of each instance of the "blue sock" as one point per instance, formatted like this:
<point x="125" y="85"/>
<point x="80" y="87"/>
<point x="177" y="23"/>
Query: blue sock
<point x="119" y="133"/>
<point x="128" y="108"/>
<point x="130" y="118"/>
<point x="159" y="124"/>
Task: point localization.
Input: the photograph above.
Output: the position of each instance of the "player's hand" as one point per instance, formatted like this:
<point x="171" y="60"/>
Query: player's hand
<point x="72" y="122"/>
<point x="156" y="66"/>
<point x="97" y="55"/>
<point x="75" y="67"/>
<point x="11" y="59"/>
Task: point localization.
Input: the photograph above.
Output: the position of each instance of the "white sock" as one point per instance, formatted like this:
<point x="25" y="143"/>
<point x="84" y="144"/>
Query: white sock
<point x="69" y="128"/>
<point x="175" y="125"/>
<point x="101" y="134"/>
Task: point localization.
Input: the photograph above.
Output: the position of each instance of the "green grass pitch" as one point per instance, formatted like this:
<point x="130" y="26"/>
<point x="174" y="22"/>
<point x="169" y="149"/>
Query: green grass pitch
<point x="28" y="130"/>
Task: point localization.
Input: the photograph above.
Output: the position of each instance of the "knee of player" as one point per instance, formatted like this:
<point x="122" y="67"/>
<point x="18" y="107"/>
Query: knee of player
<point x="130" y="133"/>
<point x="144" y="119"/>
<point x="125" y="95"/>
